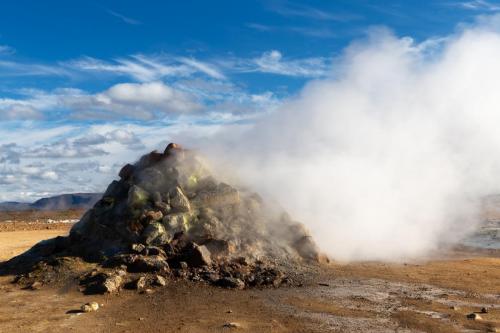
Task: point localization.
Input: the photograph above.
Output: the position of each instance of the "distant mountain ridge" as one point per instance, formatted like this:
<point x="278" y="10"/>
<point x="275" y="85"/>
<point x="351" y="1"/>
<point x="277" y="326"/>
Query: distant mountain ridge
<point x="58" y="202"/>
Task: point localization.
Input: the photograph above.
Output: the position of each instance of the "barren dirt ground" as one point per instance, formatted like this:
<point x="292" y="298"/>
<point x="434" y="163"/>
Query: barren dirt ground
<point x="431" y="296"/>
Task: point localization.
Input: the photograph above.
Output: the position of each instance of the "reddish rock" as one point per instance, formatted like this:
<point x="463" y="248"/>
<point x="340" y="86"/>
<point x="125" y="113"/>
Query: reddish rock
<point x="172" y="148"/>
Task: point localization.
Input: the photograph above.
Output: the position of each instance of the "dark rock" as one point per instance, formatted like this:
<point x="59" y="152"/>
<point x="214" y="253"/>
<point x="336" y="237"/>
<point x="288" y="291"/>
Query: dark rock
<point x="232" y="325"/>
<point x="229" y="282"/>
<point x="96" y="282"/>
<point x="150" y="159"/>
<point x="220" y="247"/>
<point x="119" y="260"/>
<point x="155" y="251"/>
<point x="211" y="277"/>
<point x="149" y="264"/>
<point x="126" y="172"/>
<point x="198" y="256"/>
<point x="172" y="148"/>
<point x="117" y="189"/>
<point x="474" y="316"/>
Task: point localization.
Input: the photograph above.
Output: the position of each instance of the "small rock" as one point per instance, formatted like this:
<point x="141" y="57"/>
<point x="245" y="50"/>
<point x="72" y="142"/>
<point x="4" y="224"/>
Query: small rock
<point x="183" y="265"/>
<point x="220" y="247"/>
<point x="148" y="291"/>
<point x="198" y="256"/>
<point x="35" y="285"/>
<point x="229" y="311"/>
<point x="160" y="281"/>
<point x="474" y="316"/>
<point x="112" y="283"/>
<point x="455" y="308"/>
<point x="242" y="261"/>
<point x="140" y="283"/>
<point x="484" y="310"/>
<point x="154" y="215"/>
<point x="155" y="251"/>
<point x="121" y="272"/>
<point x="90" y="307"/>
<point x="232" y="325"/>
<point x="149" y="264"/>
<point x="141" y="318"/>
<point x="229" y="282"/>
<point x="138" y="248"/>
<point x="172" y="148"/>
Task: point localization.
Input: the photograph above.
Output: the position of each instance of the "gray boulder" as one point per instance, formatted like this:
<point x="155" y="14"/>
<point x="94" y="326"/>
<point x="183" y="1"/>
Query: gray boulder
<point x="178" y="200"/>
<point x="155" y="234"/>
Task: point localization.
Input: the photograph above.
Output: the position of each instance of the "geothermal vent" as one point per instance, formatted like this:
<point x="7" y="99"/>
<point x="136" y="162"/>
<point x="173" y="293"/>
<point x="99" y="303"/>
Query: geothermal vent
<point x="169" y="217"/>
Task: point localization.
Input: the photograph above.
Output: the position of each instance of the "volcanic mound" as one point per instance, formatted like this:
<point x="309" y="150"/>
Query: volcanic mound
<point x="169" y="218"/>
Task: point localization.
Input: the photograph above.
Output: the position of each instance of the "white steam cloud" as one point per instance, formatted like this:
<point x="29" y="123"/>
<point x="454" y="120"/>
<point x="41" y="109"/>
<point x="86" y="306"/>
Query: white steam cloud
<point x="390" y="156"/>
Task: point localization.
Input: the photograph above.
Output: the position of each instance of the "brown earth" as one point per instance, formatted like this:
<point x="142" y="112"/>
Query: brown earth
<point x="40" y="216"/>
<point x="427" y="296"/>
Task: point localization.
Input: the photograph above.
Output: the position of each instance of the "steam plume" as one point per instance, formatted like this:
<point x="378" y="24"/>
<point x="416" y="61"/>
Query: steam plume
<point x="389" y="157"/>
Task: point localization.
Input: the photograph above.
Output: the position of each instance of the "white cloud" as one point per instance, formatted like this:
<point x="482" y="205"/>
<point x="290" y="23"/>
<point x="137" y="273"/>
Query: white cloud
<point x="5" y="49"/>
<point x="208" y="69"/>
<point x="273" y="62"/>
<point x="124" y="137"/>
<point x="144" y="99"/>
<point x="133" y="100"/>
<point x="12" y="68"/>
<point x="63" y="149"/>
<point x="18" y="111"/>
<point x="308" y="31"/>
<point x="147" y="68"/>
<point x="480" y="5"/>
<point x="124" y="18"/>
<point x="139" y="67"/>
<point x="49" y="175"/>
<point x="291" y="9"/>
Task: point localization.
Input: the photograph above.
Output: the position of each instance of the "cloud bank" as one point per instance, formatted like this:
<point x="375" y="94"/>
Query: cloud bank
<point x="389" y="157"/>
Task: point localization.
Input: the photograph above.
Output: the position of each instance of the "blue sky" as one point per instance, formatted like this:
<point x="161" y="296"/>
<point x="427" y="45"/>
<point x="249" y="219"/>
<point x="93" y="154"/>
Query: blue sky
<point x="84" y="84"/>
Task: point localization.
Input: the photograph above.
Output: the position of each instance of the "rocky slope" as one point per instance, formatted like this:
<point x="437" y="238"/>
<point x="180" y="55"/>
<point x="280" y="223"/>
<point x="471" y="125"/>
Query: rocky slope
<point x="169" y="217"/>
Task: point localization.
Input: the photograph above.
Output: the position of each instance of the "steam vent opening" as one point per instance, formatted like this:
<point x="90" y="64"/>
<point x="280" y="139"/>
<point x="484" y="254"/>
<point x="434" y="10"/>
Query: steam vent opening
<point x="168" y="217"/>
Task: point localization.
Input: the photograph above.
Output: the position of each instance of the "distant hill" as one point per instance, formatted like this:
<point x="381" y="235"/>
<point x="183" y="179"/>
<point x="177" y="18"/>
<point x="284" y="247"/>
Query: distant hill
<point x="58" y="202"/>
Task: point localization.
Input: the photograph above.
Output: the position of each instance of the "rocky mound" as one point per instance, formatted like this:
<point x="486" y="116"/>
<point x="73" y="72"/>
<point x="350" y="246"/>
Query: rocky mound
<point x="168" y="217"/>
